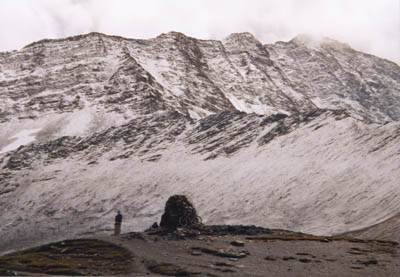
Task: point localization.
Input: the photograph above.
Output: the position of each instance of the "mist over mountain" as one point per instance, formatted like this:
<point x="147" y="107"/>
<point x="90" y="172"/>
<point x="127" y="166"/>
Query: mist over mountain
<point x="301" y="135"/>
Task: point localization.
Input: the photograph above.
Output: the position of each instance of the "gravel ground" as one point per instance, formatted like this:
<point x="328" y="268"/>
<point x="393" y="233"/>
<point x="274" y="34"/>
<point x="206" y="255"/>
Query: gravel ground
<point x="264" y="253"/>
<point x="209" y="251"/>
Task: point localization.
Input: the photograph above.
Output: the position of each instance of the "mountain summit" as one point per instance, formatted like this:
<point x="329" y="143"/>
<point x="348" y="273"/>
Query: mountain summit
<point x="196" y="77"/>
<point x="302" y="135"/>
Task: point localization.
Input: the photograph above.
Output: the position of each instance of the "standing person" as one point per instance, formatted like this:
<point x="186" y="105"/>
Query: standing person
<point x="117" y="226"/>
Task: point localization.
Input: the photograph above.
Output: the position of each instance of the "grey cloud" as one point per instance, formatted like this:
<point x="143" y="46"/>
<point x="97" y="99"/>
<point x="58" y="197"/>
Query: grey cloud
<point x="367" y="25"/>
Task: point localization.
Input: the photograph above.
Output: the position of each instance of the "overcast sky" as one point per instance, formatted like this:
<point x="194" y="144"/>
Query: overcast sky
<point x="372" y="26"/>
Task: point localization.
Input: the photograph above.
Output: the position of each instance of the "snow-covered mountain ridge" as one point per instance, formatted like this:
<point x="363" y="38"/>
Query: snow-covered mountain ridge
<point x="301" y="135"/>
<point x="195" y="77"/>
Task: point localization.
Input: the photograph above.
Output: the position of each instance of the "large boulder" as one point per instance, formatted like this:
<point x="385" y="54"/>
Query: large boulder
<point x="179" y="212"/>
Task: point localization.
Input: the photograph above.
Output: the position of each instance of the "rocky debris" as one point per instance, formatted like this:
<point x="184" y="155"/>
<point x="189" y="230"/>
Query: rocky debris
<point x="179" y="212"/>
<point x="153" y="227"/>
<point x="24" y="156"/>
<point x="227" y="132"/>
<point x="6" y="184"/>
<point x="168" y="269"/>
<point x="272" y="258"/>
<point x="273" y="118"/>
<point x="224" y="253"/>
<point x="295" y="237"/>
<point x="285" y="124"/>
<point x="180" y="233"/>
<point x="237" y="243"/>
<point x="222" y="264"/>
<point x="223" y="230"/>
<point x="305" y="254"/>
<point x="201" y="231"/>
<point x="134" y="235"/>
<point x="195" y="253"/>
<point x="367" y="262"/>
<point x="198" y="230"/>
<point x="288" y="258"/>
<point x="305" y="260"/>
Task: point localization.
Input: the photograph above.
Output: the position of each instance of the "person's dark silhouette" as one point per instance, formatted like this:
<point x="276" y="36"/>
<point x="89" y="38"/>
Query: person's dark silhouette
<point x="118" y="222"/>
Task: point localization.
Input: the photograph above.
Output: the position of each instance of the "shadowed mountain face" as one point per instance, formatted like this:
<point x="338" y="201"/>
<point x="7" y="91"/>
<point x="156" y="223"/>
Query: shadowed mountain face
<point x="301" y="135"/>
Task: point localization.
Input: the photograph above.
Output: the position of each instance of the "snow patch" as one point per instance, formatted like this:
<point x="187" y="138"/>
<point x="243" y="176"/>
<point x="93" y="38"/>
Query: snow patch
<point x="194" y="115"/>
<point x="198" y="113"/>
<point x="240" y="105"/>
<point x="78" y="124"/>
<point x="320" y="103"/>
<point x="257" y="107"/>
<point x="22" y="138"/>
<point x="156" y="69"/>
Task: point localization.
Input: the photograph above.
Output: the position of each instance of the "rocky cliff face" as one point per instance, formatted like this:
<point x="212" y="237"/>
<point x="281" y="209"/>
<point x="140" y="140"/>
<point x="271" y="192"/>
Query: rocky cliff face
<point x="300" y="135"/>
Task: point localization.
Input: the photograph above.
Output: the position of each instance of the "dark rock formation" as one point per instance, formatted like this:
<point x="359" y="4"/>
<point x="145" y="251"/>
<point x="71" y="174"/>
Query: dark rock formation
<point x="179" y="212"/>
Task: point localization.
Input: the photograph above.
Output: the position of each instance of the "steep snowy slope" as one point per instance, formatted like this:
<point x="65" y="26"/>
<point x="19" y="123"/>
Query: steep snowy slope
<point x="323" y="172"/>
